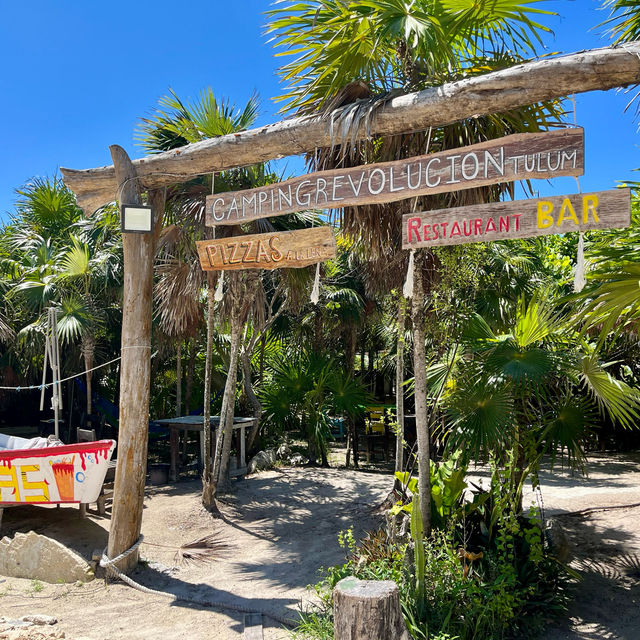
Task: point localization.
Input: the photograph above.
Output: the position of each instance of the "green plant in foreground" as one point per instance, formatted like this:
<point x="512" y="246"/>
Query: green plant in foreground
<point x="463" y="582"/>
<point x="36" y="586"/>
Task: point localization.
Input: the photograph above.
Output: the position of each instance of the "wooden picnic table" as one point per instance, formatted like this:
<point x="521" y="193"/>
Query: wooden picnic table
<point x="196" y="423"/>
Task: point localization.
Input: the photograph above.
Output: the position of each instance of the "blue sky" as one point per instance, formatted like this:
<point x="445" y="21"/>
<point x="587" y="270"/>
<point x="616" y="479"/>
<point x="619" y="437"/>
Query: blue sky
<point x="76" y="76"/>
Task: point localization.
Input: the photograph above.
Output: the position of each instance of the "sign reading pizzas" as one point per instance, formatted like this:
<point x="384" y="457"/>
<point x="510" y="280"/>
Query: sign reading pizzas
<point x="268" y="250"/>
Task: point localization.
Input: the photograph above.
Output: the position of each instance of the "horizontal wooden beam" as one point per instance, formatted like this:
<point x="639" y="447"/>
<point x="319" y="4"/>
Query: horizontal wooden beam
<point x="548" y="79"/>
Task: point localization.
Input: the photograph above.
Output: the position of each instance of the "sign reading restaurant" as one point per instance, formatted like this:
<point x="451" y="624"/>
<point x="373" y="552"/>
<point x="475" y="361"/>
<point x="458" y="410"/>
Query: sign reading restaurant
<point x="516" y="157"/>
<point x="519" y="219"/>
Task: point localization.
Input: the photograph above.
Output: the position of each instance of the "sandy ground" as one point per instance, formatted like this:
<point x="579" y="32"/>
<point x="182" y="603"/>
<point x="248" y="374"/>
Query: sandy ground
<point x="282" y="526"/>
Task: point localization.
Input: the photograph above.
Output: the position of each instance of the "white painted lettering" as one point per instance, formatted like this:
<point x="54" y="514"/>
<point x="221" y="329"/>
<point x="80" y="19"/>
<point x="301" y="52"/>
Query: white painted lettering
<point x="307" y="196"/>
<point x="426" y="173"/>
<point x="337" y="183"/>
<point x="382" y="182"/>
<point x="475" y="166"/>
<point x="498" y="164"/>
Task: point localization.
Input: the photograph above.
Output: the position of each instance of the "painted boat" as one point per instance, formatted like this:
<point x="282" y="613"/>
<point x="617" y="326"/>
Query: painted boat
<point x="34" y="474"/>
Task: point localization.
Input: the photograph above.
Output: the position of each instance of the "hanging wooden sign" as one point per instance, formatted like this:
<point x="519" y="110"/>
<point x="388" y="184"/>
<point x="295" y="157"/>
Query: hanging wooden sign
<point x="519" y="219"/>
<point x="516" y="157"/>
<point x="268" y="250"/>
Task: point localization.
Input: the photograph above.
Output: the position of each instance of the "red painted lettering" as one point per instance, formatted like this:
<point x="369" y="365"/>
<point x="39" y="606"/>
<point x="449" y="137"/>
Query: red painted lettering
<point x="233" y="248"/>
<point x="413" y="224"/>
<point x="276" y="254"/>
<point x="503" y="223"/>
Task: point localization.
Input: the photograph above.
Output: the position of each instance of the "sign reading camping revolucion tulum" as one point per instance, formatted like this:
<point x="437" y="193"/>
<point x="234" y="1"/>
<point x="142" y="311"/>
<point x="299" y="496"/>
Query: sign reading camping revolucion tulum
<point x="516" y="157"/>
<point x="519" y="219"/>
<point x="268" y="250"/>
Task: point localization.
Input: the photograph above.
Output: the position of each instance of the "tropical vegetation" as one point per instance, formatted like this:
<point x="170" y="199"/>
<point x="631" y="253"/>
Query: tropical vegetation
<point x="499" y="359"/>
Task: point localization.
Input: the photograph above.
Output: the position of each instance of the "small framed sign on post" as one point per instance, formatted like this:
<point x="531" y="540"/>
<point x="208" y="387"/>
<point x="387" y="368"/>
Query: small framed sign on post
<point x="136" y="218"/>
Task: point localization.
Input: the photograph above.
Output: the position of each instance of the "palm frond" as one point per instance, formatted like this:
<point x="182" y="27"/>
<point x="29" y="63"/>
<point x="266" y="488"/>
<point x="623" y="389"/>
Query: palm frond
<point x="202" y="551"/>
<point x="613" y="396"/>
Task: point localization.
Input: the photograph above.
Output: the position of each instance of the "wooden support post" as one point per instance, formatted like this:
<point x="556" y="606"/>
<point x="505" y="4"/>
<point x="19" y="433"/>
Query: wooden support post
<point x="367" y="609"/>
<point x="135" y="367"/>
<point x="253" y="626"/>
<point x="400" y="346"/>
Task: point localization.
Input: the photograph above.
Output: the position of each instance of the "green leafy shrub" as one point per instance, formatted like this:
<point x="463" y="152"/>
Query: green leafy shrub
<point x="486" y="575"/>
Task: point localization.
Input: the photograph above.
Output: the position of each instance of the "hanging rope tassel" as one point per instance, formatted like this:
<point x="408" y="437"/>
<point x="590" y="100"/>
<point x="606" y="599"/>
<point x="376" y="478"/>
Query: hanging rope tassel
<point x="217" y="296"/>
<point x="407" y="290"/>
<point x="315" y="292"/>
<point x="580" y="280"/>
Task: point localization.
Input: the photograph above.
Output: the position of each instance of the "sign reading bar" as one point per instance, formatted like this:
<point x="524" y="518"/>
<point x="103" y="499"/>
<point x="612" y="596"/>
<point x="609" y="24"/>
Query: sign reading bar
<point x="519" y="219"/>
<point x="516" y="157"/>
<point x="268" y="250"/>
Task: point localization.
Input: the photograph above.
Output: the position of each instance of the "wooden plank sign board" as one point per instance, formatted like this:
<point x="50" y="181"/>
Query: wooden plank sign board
<point x="519" y="219"/>
<point x="268" y="250"/>
<point x="516" y="157"/>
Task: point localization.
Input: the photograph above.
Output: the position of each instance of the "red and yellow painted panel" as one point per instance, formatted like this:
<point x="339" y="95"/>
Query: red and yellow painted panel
<point x="68" y="473"/>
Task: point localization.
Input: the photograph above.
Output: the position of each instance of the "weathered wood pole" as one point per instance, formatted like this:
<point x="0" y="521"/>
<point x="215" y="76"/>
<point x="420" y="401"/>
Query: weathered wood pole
<point x="367" y="609"/>
<point x="208" y="486"/>
<point x="135" y="367"/>
<point x="402" y="315"/>
<point x="420" y="390"/>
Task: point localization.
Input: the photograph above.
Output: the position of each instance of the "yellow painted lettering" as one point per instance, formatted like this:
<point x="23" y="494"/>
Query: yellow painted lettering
<point x="567" y="211"/>
<point x="12" y="492"/>
<point x="589" y="203"/>
<point x="31" y="485"/>
<point x="545" y="219"/>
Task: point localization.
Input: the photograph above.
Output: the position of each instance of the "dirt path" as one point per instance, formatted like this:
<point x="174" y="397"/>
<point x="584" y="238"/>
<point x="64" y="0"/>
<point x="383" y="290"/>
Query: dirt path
<point x="282" y="526"/>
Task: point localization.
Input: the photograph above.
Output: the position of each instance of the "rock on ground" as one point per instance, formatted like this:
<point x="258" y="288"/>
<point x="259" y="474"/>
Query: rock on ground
<point x="30" y="555"/>
<point x="261" y="461"/>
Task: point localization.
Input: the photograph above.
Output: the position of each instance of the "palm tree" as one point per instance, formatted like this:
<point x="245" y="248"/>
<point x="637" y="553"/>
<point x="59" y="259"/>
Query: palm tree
<point x="611" y="299"/>
<point x="346" y="52"/>
<point x="624" y="20"/>
<point x="60" y="259"/>
<point x="535" y="388"/>
<point x="174" y="124"/>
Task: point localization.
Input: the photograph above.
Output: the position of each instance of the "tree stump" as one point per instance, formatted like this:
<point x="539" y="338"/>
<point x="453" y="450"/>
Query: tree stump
<point x="367" y="609"/>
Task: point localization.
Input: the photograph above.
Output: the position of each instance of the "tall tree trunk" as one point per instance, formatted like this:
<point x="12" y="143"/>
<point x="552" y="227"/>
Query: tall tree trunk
<point x="88" y="351"/>
<point x="179" y="379"/>
<point x="400" y="345"/>
<point x="420" y="376"/>
<point x="189" y="377"/>
<point x="372" y="377"/>
<point x="225" y="428"/>
<point x="351" y="347"/>
<point x="208" y="486"/>
<point x="318" y="335"/>
<point x="256" y="406"/>
<point x="263" y="345"/>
